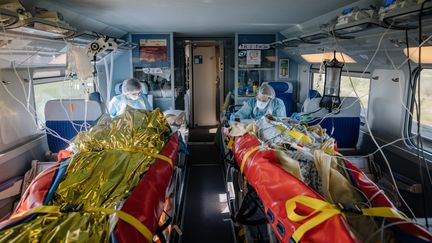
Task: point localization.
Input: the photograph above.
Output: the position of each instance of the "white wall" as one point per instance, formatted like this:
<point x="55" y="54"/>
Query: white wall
<point x="304" y="76"/>
<point x="17" y="124"/>
<point x="20" y="140"/>
<point x="386" y="113"/>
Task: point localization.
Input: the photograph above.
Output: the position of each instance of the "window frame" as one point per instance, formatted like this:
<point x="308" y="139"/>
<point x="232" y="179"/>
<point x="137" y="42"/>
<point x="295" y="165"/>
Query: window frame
<point x="47" y="80"/>
<point x="411" y="140"/>
<point x="356" y="74"/>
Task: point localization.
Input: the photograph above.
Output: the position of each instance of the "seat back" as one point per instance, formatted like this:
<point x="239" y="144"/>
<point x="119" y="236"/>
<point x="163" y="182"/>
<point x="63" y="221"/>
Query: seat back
<point x="284" y="91"/>
<point x="67" y="118"/>
<point x="311" y="94"/>
<point x="344" y="126"/>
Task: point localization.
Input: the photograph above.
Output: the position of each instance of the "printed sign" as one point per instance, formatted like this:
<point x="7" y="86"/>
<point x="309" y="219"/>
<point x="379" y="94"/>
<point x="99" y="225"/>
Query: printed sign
<point x="153" y="50"/>
<point x="254" y="46"/>
<point x="152" y="70"/>
<point x="198" y="59"/>
<point x="284" y="68"/>
<point x="253" y="57"/>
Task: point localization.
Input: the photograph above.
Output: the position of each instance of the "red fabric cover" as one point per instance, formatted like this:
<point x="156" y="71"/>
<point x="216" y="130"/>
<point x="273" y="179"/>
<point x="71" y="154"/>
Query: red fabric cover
<point x="37" y="190"/>
<point x="370" y="189"/>
<point x="145" y="203"/>
<point x="275" y="186"/>
<point x="147" y="199"/>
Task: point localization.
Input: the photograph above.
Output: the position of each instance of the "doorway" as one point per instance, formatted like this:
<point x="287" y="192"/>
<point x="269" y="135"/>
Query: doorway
<point x="207" y="73"/>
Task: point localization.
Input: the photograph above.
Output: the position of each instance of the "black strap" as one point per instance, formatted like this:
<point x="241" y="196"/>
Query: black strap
<point x="161" y="228"/>
<point x="249" y="208"/>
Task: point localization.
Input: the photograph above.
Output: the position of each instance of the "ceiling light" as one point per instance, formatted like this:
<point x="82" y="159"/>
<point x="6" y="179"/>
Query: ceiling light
<point x="426" y="54"/>
<point x="320" y="57"/>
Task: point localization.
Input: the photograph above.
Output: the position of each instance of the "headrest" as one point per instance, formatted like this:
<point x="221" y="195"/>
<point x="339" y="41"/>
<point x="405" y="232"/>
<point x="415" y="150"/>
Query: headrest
<point x="281" y="86"/>
<point x="313" y="94"/>
<point x="73" y="109"/>
<point x="95" y="96"/>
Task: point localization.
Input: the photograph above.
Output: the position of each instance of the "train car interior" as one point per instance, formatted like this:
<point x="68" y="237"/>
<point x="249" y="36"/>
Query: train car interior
<point x="216" y="121"/>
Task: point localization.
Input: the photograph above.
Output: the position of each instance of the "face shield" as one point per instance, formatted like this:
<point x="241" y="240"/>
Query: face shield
<point x="134" y="95"/>
<point x="265" y="94"/>
<point x="132" y="89"/>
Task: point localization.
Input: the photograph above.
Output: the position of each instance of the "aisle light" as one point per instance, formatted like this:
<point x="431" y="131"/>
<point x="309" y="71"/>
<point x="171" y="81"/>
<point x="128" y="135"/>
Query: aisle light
<point x="320" y="57"/>
<point x="426" y="54"/>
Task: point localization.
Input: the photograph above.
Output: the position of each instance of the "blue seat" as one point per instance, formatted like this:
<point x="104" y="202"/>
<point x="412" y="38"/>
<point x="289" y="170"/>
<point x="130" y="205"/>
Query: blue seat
<point x="344" y="126"/>
<point x="66" y="118"/>
<point x="284" y="91"/>
<point x="313" y="94"/>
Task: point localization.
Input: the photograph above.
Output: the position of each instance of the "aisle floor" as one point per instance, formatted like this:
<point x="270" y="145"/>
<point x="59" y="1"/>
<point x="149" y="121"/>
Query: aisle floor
<point x="206" y="215"/>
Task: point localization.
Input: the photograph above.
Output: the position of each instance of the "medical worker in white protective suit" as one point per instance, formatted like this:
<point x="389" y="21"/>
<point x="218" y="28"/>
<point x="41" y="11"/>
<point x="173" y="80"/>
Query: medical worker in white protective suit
<point x="264" y="103"/>
<point x="132" y="95"/>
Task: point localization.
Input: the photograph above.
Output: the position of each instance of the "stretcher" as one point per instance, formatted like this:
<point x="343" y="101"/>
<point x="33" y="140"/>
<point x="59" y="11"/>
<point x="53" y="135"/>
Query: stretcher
<point x="297" y="213"/>
<point x="139" y="218"/>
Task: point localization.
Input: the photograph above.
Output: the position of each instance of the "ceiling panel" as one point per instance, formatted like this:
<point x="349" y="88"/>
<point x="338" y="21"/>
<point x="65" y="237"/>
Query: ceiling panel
<point x="199" y="17"/>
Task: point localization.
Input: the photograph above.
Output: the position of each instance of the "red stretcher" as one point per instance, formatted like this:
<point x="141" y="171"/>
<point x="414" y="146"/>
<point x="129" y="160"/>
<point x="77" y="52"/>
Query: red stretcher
<point x="145" y="202"/>
<point x="275" y="187"/>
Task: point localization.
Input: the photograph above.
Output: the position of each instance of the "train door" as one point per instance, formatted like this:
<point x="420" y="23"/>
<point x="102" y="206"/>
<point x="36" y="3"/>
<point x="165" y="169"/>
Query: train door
<point x="205" y="85"/>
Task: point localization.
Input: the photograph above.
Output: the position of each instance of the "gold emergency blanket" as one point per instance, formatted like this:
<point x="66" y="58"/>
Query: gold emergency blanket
<point x="109" y="164"/>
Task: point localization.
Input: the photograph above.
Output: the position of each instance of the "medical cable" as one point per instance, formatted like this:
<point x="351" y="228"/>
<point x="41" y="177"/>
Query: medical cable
<point x="367" y="122"/>
<point x="419" y="137"/>
<point x="405" y="61"/>
<point x="49" y="131"/>
<point x="27" y="95"/>
<point x="14" y="68"/>
<point x="339" y="108"/>
<point x="388" y="226"/>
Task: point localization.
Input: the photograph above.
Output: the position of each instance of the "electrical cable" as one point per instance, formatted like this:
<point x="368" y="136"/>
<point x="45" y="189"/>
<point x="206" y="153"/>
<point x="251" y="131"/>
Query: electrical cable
<point x="338" y="109"/>
<point x="420" y="148"/>
<point x="388" y="226"/>
<point x="49" y="131"/>
<point x="27" y="108"/>
<point x="367" y="122"/>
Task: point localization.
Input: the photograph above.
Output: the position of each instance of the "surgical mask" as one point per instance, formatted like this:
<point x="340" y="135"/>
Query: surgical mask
<point x="261" y="104"/>
<point x="133" y="97"/>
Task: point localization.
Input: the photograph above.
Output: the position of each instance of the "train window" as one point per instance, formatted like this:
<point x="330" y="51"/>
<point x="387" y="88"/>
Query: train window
<point x="361" y="86"/>
<point x="62" y="89"/>
<point x="425" y="106"/>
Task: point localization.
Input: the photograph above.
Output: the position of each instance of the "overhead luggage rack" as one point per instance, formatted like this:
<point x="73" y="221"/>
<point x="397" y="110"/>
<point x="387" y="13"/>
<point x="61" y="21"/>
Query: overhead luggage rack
<point x="60" y="30"/>
<point x="292" y="42"/>
<point x="314" y="38"/>
<point x="396" y="18"/>
<point x="406" y="18"/>
<point x="355" y="27"/>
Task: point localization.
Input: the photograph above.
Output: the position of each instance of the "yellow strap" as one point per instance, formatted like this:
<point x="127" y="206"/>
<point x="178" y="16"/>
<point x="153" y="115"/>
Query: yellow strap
<point x="158" y="156"/>
<point x="128" y="219"/>
<point x="299" y="136"/>
<point x="295" y="134"/>
<point x="230" y="143"/>
<point x="384" y="212"/>
<point x="246" y="156"/>
<point x="322" y="211"/>
<point x="151" y="154"/>
<point x="122" y="215"/>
